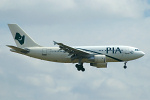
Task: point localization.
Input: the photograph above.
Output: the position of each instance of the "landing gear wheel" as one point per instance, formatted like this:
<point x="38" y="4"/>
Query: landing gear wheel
<point x="125" y="67"/>
<point x="83" y="69"/>
<point x="77" y="66"/>
<point x="80" y="67"/>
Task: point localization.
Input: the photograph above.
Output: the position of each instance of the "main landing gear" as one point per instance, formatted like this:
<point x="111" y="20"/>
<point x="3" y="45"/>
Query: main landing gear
<point x="125" y="65"/>
<point x="80" y="67"/>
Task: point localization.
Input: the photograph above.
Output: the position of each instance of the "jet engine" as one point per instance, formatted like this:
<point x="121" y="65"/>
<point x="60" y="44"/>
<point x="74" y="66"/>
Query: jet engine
<point x="98" y="59"/>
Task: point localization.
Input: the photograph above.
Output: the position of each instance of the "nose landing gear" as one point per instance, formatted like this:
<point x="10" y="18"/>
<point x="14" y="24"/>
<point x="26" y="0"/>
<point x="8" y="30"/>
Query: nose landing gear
<point x="125" y="66"/>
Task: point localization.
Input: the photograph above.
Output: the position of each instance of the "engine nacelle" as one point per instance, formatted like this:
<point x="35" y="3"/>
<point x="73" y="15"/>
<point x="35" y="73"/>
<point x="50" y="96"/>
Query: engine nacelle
<point x="99" y="58"/>
<point x="99" y="65"/>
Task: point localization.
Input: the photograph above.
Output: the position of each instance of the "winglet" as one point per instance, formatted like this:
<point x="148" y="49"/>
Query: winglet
<point x="55" y="42"/>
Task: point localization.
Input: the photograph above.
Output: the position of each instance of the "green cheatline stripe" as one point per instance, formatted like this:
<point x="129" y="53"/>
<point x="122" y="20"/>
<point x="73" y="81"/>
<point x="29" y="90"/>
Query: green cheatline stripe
<point x="102" y="54"/>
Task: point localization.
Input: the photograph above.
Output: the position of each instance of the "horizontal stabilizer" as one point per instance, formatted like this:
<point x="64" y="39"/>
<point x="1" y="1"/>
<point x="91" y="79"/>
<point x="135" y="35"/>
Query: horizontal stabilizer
<point x="18" y="50"/>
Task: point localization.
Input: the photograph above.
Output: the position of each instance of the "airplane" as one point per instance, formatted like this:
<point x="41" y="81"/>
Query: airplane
<point x="96" y="56"/>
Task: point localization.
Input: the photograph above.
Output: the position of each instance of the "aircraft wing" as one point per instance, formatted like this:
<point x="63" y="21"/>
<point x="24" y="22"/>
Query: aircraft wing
<point x="18" y="50"/>
<point x="76" y="53"/>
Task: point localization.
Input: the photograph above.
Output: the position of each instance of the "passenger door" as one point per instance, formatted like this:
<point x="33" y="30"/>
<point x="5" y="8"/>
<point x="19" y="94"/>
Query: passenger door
<point x="44" y="52"/>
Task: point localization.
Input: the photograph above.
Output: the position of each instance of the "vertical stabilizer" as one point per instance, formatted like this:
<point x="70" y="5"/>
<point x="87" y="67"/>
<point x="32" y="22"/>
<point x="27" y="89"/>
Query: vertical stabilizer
<point x="21" y="38"/>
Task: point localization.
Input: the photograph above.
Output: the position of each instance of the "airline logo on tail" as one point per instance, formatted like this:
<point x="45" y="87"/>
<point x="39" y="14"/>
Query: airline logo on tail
<point x="20" y="38"/>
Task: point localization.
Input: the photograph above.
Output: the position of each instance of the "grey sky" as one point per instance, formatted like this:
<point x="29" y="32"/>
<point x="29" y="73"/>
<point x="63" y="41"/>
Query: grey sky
<point x="75" y="22"/>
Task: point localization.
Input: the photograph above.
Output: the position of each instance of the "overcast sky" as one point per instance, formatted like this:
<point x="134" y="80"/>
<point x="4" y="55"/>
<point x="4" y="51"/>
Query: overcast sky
<point x="75" y="23"/>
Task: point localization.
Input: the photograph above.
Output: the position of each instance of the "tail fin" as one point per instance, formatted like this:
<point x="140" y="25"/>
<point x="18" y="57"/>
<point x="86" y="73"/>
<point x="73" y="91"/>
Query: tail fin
<point x="21" y="38"/>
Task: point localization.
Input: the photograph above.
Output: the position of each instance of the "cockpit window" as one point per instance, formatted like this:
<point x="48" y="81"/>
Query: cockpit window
<point x="136" y="49"/>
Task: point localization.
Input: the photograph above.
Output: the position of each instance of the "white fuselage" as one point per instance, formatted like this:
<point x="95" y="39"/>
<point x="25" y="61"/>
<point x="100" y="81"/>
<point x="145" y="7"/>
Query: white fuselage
<point x="112" y="53"/>
<point x="97" y="56"/>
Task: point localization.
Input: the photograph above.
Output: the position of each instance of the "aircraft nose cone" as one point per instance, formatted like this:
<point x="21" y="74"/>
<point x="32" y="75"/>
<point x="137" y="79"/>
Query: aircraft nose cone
<point x="142" y="54"/>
